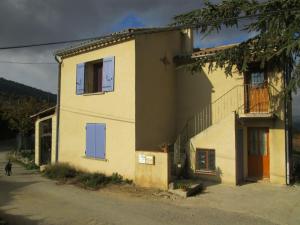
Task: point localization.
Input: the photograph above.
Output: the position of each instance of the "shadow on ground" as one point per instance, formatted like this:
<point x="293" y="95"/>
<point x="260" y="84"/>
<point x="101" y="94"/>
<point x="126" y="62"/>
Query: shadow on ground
<point x="7" y="190"/>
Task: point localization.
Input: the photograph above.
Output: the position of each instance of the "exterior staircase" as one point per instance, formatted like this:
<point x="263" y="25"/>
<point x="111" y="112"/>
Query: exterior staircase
<point x="245" y="101"/>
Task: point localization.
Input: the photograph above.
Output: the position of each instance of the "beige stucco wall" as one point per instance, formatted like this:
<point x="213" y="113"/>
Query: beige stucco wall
<point x="195" y="92"/>
<point x="222" y="138"/>
<point x="37" y="139"/>
<point x="156" y="175"/>
<point x="156" y="88"/>
<point x="116" y="109"/>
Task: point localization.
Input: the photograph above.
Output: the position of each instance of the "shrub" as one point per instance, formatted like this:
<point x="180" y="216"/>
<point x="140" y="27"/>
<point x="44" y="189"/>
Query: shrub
<point x="31" y="166"/>
<point x="116" y="178"/>
<point x="92" y="180"/>
<point x="27" y="154"/>
<point x="60" y="171"/>
<point x="63" y="171"/>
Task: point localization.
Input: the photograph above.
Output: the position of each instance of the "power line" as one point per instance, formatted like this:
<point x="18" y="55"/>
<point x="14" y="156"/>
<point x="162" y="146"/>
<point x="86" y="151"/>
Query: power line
<point x="45" y="44"/>
<point x="176" y="26"/>
<point x="28" y="63"/>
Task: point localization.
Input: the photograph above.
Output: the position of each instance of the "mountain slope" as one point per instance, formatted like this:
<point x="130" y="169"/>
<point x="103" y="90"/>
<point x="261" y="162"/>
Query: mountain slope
<point x="11" y="88"/>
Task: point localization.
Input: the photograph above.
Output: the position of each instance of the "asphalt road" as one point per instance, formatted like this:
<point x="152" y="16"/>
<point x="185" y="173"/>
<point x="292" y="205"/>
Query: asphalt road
<point x="28" y="198"/>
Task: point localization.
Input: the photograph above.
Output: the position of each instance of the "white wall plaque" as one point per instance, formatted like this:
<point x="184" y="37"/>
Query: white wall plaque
<point x="142" y="159"/>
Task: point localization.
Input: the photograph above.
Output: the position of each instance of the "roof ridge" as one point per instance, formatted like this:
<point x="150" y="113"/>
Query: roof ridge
<point x="112" y="37"/>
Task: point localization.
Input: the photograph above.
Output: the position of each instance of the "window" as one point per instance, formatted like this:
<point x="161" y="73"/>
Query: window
<point x="95" y="76"/>
<point x="205" y="160"/>
<point x="258" y="141"/>
<point x="257" y="78"/>
<point x="95" y="140"/>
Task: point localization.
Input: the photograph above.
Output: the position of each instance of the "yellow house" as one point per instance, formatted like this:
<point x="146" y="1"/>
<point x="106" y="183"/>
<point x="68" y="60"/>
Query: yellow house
<point x="125" y="106"/>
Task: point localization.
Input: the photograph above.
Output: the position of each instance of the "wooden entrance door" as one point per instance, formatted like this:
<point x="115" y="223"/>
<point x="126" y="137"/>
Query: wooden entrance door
<point x="257" y="94"/>
<point x="258" y="153"/>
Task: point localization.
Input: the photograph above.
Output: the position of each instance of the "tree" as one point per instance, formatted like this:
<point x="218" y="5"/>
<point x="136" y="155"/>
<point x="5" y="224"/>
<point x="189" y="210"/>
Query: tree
<point x="16" y="110"/>
<point x="276" y="43"/>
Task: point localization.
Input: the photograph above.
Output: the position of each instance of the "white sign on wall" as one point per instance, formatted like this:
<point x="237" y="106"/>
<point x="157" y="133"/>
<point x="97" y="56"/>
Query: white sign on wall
<point x="142" y="159"/>
<point x="146" y="159"/>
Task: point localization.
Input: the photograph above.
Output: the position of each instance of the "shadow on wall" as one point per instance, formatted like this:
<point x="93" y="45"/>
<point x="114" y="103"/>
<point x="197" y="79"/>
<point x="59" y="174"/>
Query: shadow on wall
<point x="6" y="195"/>
<point x="194" y="93"/>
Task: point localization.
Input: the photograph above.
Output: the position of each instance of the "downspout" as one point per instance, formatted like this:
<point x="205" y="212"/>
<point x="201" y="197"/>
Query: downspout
<point x="287" y="123"/>
<point x="59" y="61"/>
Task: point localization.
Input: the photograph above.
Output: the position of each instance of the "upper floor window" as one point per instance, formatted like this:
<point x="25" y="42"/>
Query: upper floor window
<point x="95" y="76"/>
<point x="257" y="78"/>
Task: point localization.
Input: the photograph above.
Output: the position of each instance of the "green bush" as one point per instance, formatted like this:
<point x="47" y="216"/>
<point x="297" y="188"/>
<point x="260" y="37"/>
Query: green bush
<point x="63" y="171"/>
<point x="60" y="171"/>
<point x="31" y="166"/>
<point x="92" y="180"/>
<point x="27" y="154"/>
<point x="116" y="178"/>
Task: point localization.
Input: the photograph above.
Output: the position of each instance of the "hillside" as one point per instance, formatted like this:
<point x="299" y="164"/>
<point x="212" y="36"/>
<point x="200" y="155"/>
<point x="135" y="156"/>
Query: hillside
<point x="17" y="103"/>
<point x="11" y="88"/>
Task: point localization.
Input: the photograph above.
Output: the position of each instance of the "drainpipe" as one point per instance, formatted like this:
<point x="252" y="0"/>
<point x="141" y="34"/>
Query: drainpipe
<point x="287" y="123"/>
<point x="59" y="61"/>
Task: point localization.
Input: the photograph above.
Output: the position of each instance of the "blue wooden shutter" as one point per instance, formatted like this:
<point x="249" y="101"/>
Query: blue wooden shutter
<point x="100" y="131"/>
<point x="90" y="140"/>
<point x="108" y="74"/>
<point x="80" y="79"/>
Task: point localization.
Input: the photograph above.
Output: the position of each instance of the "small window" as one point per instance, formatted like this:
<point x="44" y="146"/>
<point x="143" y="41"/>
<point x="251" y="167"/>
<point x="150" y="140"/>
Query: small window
<point x="205" y="160"/>
<point x="257" y="78"/>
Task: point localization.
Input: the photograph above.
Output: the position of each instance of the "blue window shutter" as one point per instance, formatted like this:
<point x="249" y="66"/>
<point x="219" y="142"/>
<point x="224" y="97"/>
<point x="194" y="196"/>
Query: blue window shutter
<point x="108" y="74"/>
<point x="90" y="140"/>
<point x="100" y="142"/>
<point x="80" y="79"/>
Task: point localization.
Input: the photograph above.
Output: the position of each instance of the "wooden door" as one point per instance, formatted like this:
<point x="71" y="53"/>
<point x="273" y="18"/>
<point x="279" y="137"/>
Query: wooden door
<point x="257" y="94"/>
<point x="258" y="153"/>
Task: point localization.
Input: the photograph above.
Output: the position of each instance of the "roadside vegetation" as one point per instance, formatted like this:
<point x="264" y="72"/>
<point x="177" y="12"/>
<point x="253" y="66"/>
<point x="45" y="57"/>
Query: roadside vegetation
<point x="24" y="157"/>
<point x="65" y="173"/>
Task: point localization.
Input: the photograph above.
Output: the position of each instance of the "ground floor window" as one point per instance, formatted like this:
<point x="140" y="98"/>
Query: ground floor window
<point x="205" y="160"/>
<point x="95" y="140"/>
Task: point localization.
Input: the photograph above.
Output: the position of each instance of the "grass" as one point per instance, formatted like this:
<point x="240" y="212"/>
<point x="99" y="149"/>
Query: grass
<point x="66" y="173"/>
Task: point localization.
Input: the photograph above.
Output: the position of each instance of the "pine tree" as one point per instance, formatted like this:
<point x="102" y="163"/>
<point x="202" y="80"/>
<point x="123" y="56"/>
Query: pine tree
<point x="276" y="44"/>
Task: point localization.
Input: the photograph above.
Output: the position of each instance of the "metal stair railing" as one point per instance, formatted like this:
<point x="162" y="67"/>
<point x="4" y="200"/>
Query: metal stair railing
<point x="233" y="100"/>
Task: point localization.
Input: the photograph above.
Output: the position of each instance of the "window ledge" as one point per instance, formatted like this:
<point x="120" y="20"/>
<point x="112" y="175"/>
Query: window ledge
<point x="97" y="159"/>
<point x="96" y="93"/>
<point x="206" y="172"/>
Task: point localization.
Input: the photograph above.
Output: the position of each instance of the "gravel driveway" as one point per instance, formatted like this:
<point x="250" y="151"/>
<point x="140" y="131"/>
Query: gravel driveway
<point x="28" y="198"/>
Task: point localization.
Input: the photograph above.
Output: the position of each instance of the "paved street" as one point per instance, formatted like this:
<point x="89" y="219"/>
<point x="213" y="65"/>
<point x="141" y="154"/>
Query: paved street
<point x="28" y="198"/>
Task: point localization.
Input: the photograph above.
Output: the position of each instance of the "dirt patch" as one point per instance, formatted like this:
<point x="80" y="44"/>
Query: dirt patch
<point x="138" y="192"/>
